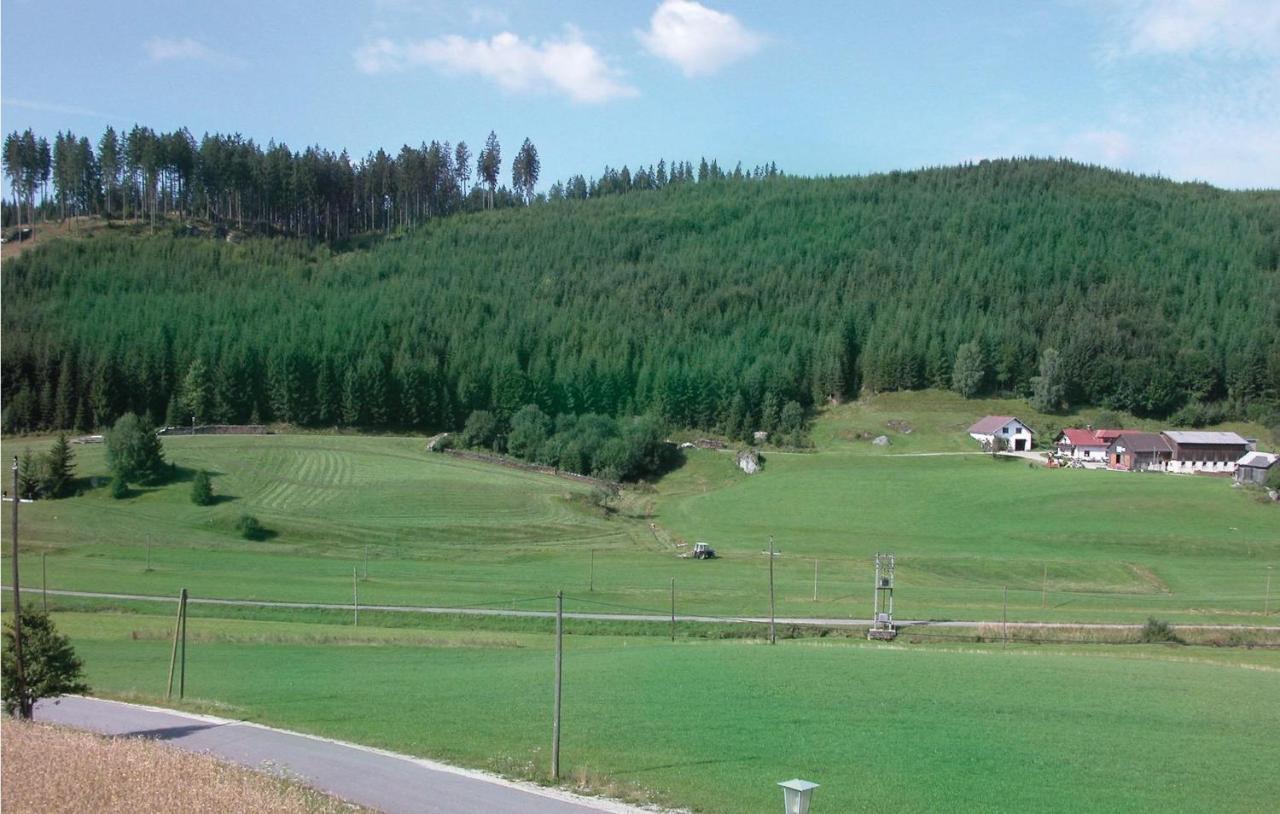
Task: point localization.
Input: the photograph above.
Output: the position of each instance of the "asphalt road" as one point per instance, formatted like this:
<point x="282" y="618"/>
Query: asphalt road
<point x="371" y="777"/>
<point x="621" y="617"/>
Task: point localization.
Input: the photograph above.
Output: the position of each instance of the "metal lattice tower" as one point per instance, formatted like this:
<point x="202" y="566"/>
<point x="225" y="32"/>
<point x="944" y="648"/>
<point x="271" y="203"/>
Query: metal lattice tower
<point x="882" y="609"/>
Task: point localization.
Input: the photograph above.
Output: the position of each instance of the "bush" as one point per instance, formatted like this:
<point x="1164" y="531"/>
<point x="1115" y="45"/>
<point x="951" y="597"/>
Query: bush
<point x="481" y="430"/>
<point x="202" y="489"/>
<point x="119" y="488"/>
<point x="50" y="665"/>
<point x="1107" y="420"/>
<point x="250" y="528"/>
<point x="1273" y="477"/>
<point x="1156" y="631"/>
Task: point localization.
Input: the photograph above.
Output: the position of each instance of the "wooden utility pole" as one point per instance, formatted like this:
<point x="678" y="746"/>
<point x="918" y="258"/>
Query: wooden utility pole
<point x="19" y="673"/>
<point x="673" y="609"/>
<point x="1004" y="616"/>
<point x="182" y="669"/>
<point x="355" y="595"/>
<point x="179" y="635"/>
<point x="773" y="632"/>
<point x="555" y="713"/>
<point x="44" y="580"/>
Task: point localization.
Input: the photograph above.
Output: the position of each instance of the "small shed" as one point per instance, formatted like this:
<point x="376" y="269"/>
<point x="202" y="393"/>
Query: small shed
<point x="1017" y="437"/>
<point x="1255" y="467"/>
<point x="1138" y="451"/>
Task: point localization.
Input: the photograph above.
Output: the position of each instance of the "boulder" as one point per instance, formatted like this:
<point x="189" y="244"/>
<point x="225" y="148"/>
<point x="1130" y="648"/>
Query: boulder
<point x="882" y="441"/>
<point x="749" y="461"/>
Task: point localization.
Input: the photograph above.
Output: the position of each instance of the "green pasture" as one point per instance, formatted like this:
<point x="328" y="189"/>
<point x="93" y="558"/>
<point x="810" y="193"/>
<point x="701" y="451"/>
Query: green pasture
<point x="1068" y="545"/>
<point x="713" y="725"/>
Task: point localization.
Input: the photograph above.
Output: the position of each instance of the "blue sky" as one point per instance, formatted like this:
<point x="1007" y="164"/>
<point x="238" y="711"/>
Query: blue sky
<point x="1189" y="89"/>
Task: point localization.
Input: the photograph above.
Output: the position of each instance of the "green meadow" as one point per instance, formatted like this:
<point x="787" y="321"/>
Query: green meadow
<point x="1067" y="545"/>
<point x="713" y="725"/>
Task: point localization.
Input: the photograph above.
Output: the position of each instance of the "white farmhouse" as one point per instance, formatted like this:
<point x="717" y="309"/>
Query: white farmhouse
<point x="1017" y="437"/>
<point x="1082" y="445"/>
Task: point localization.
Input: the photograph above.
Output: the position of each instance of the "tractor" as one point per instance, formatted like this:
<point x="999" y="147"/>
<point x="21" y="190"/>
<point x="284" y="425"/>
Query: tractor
<point x="702" y="551"/>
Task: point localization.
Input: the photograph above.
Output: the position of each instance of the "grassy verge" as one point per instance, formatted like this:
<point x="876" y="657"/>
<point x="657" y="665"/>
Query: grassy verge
<point x="713" y="724"/>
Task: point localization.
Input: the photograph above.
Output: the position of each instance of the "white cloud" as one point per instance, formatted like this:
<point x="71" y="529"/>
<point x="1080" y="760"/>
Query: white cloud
<point x="69" y="110"/>
<point x="1222" y="28"/>
<point x="699" y="40"/>
<point x="568" y="65"/>
<point x="186" y="49"/>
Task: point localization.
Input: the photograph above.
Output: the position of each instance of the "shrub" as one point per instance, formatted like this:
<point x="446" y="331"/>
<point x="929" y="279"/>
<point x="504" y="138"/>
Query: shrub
<point x="1273" y="477"/>
<point x="1156" y="631"/>
<point x="250" y="528"/>
<point x="202" y="489"/>
<point x="481" y="430"/>
<point x="50" y="666"/>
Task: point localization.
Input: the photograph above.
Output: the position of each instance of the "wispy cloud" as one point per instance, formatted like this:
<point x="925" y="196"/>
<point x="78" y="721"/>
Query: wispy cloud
<point x="1220" y="28"/>
<point x="566" y="65"/>
<point x="67" y="110"/>
<point x="186" y="49"/>
<point x="699" y="40"/>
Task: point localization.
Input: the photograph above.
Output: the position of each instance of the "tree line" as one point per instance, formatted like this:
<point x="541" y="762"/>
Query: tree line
<point x="317" y="193"/>
<point x="711" y="305"/>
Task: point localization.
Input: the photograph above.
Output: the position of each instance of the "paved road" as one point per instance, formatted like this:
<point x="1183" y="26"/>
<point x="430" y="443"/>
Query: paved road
<point x="371" y="777"/>
<point x="625" y="617"/>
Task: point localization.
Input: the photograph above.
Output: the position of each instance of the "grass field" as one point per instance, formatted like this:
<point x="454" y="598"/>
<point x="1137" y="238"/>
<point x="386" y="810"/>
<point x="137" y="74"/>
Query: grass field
<point x="1069" y="545"/>
<point x="713" y="725"/>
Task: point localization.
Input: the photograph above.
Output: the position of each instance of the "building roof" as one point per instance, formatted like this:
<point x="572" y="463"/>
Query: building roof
<point x="1082" y="438"/>
<point x="1141" y="442"/>
<point x="1261" y="460"/>
<point x="992" y="423"/>
<point x="1107" y="435"/>
<point x="1180" y="437"/>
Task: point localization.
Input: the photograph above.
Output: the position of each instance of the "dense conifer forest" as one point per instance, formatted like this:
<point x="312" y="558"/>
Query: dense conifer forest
<point x="710" y="304"/>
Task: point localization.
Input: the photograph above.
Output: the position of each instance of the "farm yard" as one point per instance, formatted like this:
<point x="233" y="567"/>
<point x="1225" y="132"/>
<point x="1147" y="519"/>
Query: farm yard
<point x="937" y="720"/>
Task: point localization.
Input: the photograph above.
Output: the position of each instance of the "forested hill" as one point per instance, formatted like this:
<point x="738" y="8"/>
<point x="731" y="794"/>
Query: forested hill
<point x="710" y="304"/>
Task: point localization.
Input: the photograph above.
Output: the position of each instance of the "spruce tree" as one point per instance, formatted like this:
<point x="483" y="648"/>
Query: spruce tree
<point x="59" y="469"/>
<point x="202" y="489"/>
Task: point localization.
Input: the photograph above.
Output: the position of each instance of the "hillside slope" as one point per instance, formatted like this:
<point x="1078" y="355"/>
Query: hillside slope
<point x="711" y="304"/>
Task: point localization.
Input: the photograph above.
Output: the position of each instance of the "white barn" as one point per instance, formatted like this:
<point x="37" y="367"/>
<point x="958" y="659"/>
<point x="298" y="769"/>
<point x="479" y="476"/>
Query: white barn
<point x="1017" y="437"/>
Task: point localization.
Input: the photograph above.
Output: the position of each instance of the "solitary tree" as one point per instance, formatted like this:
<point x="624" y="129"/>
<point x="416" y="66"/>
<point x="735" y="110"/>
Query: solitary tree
<point x="59" y="469"/>
<point x="202" y="489"/>
<point x="134" y="451"/>
<point x="50" y="666"/>
<point x="30" y="475"/>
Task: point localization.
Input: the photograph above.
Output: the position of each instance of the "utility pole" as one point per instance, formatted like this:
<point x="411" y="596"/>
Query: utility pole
<point x="555" y="714"/>
<point x="19" y="674"/>
<point x="773" y="632"/>
<point x="815" y="580"/>
<point x="44" y="580"/>
<point x="673" y="609"/>
<point x="1004" y="616"/>
<point x="591" y="581"/>
<point x="366" y="562"/>
<point x="355" y="595"/>
<point x="179" y="635"/>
